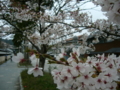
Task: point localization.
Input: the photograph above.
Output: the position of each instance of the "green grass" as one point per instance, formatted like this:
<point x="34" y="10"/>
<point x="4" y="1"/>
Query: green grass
<point x="37" y="83"/>
<point x="24" y="64"/>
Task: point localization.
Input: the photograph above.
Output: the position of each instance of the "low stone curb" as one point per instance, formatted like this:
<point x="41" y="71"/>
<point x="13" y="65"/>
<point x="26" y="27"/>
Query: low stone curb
<point x="21" y="86"/>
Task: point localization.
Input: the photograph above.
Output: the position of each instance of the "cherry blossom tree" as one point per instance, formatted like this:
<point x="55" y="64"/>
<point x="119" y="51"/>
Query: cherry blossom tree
<point x="12" y="12"/>
<point x="43" y="27"/>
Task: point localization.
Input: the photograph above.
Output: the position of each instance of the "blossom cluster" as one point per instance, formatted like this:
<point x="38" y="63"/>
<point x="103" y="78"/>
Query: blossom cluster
<point x="36" y="70"/>
<point x="98" y="72"/>
<point x="112" y="9"/>
<point x="94" y="73"/>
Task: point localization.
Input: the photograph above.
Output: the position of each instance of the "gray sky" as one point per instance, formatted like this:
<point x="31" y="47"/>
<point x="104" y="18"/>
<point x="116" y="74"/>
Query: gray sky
<point x="96" y="12"/>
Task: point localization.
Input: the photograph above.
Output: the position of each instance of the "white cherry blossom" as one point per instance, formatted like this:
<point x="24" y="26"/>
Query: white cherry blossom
<point x="112" y="86"/>
<point x="36" y="71"/>
<point x="18" y="58"/>
<point x="91" y="60"/>
<point x="69" y="71"/>
<point x="99" y="81"/>
<point x="34" y="60"/>
<point x="86" y="78"/>
<point x="78" y="67"/>
<point x="111" y="75"/>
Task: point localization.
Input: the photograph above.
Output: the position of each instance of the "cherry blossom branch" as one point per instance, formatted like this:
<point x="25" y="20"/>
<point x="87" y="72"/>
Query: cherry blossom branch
<point x="60" y="8"/>
<point x="111" y="33"/>
<point x="74" y="26"/>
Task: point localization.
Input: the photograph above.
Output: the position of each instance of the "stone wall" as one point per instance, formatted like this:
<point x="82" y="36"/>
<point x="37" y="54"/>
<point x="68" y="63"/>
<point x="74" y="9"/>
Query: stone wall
<point x="2" y="58"/>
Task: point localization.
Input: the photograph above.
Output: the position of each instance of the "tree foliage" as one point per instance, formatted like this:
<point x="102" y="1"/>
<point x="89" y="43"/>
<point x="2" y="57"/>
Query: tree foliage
<point x="18" y="39"/>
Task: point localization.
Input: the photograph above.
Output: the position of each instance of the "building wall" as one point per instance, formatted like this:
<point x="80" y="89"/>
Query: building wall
<point x="106" y="46"/>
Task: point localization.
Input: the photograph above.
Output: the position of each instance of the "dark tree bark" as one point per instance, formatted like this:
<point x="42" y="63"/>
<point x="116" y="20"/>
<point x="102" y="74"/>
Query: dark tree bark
<point x="42" y="59"/>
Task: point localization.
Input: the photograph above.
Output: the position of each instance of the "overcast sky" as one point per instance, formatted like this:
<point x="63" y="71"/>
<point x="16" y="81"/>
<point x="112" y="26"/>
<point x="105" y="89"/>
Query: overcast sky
<point x="96" y="12"/>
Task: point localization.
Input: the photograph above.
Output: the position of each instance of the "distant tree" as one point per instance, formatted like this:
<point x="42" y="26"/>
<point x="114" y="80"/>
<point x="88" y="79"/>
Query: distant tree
<point x="2" y="45"/>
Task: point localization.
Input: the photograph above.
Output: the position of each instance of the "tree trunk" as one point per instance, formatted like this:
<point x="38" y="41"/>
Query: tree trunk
<point x="42" y="59"/>
<point x="42" y="62"/>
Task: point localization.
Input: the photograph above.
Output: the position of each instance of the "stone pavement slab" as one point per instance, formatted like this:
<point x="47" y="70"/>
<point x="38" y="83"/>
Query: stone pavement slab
<point x="9" y="76"/>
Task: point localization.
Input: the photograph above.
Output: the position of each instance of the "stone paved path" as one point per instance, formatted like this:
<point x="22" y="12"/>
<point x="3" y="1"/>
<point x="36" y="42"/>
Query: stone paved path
<point x="9" y="76"/>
